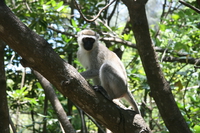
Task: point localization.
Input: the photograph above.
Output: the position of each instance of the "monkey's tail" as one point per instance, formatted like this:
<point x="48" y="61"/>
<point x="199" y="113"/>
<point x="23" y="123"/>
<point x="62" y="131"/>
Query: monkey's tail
<point x="128" y="96"/>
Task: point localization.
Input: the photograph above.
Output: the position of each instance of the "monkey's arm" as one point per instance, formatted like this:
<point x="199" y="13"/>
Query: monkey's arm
<point x="91" y="73"/>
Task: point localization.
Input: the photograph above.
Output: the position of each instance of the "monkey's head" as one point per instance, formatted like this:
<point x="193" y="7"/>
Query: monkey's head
<point x="88" y="39"/>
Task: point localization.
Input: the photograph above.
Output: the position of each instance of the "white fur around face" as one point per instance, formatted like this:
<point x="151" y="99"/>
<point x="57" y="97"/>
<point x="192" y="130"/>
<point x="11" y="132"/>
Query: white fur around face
<point x="83" y="57"/>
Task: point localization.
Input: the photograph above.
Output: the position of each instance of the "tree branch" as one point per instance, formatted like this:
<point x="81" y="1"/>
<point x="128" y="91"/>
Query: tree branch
<point x="190" y="6"/>
<point x="187" y="60"/>
<point x="91" y="20"/>
<point x="58" y="31"/>
<point x="49" y="92"/>
<point x="113" y="11"/>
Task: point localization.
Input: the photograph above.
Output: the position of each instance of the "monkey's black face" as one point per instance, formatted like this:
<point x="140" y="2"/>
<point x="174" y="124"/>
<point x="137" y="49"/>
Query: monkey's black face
<point x="88" y="43"/>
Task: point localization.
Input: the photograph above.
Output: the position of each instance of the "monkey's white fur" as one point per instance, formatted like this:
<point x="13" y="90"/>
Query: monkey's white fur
<point x="104" y="67"/>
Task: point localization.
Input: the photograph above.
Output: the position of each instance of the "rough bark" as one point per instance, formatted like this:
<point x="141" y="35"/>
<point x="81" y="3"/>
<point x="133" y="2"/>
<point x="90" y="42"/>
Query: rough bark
<point x="160" y="88"/>
<point x="39" y="55"/>
<point x="4" y="114"/>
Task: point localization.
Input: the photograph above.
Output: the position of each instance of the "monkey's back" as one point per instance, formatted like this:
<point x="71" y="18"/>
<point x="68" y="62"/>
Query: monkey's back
<point x="101" y="54"/>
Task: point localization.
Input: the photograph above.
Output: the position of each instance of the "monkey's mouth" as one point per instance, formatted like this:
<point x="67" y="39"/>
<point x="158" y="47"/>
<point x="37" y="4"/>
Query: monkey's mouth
<point x="88" y="47"/>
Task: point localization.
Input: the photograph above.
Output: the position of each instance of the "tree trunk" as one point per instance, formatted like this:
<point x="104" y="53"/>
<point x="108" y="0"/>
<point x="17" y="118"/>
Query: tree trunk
<point x="4" y="114"/>
<point x="160" y="88"/>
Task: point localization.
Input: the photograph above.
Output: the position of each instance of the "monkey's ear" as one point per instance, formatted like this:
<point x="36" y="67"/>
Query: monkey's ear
<point x="79" y="33"/>
<point x="97" y="35"/>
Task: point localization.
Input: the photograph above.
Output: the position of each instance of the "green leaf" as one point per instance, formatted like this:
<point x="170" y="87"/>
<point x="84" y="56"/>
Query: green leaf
<point x="179" y="85"/>
<point x="197" y="129"/>
<point x="175" y="16"/>
<point x="162" y="27"/>
<point x="126" y="36"/>
<point x="62" y="56"/>
<point x="59" y="5"/>
<point x="10" y="83"/>
<point x="41" y="2"/>
<point x="74" y="23"/>
<point x="53" y="3"/>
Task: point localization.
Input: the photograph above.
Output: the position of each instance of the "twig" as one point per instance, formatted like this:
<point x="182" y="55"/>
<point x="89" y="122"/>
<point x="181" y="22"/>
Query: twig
<point x="176" y="72"/>
<point x="94" y="121"/>
<point x="13" y="56"/>
<point x="27" y="6"/>
<point x="190" y="6"/>
<point x="164" y="14"/>
<point x="91" y="20"/>
<point x="106" y="25"/>
<point x="184" y="94"/>
<point x="163" y="10"/>
<point x="23" y="77"/>
<point x="12" y="125"/>
<point x="113" y="11"/>
<point x="58" y="31"/>
<point x="119" y="40"/>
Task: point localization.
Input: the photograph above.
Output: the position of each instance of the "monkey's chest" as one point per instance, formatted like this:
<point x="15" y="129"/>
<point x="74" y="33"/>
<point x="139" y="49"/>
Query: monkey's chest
<point x="84" y="59"/>
<point x="91" y="60"/>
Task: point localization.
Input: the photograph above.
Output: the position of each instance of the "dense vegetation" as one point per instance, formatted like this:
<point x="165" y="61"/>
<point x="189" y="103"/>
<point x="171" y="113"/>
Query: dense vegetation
<point x="175" y="33"/>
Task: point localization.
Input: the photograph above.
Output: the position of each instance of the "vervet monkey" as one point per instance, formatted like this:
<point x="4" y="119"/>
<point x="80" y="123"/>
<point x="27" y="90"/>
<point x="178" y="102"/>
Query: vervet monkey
<point x="103" y="66"/>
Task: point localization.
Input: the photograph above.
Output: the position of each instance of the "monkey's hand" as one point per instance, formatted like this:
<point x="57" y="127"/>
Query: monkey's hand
<point x="91" y="73"/>
<point x="101" y="90"/>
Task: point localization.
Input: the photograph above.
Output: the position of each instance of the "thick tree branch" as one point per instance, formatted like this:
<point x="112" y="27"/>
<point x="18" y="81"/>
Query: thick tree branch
<point x="160" y="88"/>
<point x="39" y="55"/>
<point x="187" y="60"/>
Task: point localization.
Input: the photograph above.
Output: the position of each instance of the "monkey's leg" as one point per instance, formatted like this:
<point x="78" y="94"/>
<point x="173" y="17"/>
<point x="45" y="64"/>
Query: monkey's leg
<point x="113" y="81"/>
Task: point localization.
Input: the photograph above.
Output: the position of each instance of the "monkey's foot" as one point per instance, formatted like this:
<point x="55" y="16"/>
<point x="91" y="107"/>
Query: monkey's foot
<point x="101" y="90"/>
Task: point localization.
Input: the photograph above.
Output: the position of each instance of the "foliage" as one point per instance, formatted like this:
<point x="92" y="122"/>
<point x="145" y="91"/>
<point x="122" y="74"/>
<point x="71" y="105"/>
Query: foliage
<point x="178" y="32"/>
